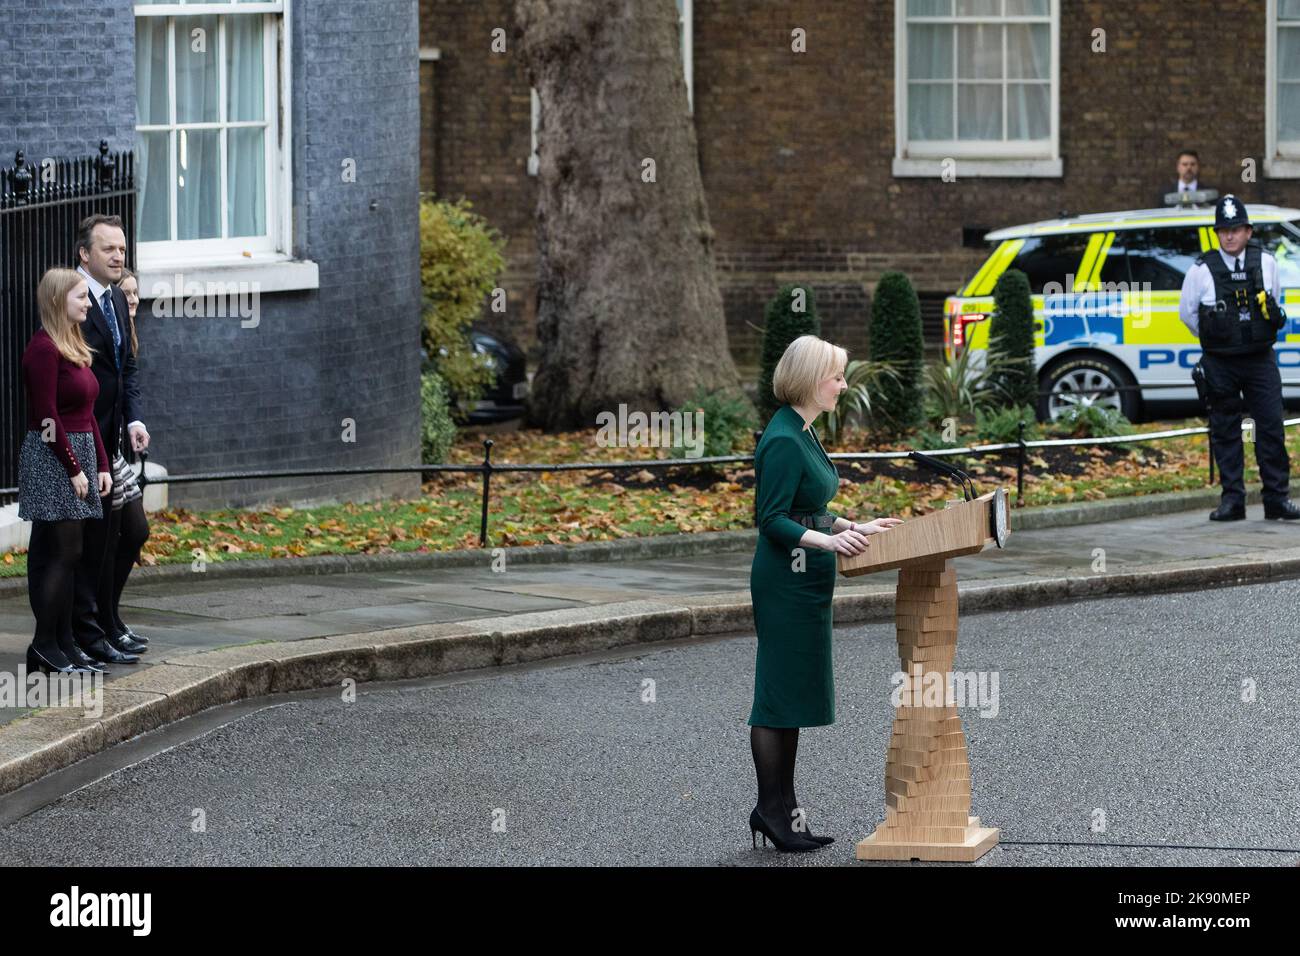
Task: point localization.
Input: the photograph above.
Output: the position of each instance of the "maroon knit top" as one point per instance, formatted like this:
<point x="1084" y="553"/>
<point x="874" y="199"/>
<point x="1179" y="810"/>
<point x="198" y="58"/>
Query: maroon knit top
<point x="59" y="390"/>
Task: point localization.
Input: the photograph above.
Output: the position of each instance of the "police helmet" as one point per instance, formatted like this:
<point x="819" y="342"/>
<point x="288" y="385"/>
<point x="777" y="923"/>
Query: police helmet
<point x="1230" y="211"/>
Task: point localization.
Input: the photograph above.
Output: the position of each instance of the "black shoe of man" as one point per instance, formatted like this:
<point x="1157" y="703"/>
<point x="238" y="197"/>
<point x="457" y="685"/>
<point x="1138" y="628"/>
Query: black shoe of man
<point x="104" y="652"/>
<point x="1286" y="511"/>
<point x="1227" y="511"/>
<point x="126" y="645"/>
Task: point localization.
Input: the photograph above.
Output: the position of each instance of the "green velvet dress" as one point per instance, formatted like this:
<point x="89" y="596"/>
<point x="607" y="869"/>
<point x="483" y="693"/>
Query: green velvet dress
<point x="794" y="682"/>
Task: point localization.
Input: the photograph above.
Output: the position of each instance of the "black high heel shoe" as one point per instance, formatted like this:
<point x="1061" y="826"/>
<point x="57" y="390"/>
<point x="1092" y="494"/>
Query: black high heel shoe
<point x="793" y="844"/>
<point x="36" y="661"/>
<point x="809" y="835"/>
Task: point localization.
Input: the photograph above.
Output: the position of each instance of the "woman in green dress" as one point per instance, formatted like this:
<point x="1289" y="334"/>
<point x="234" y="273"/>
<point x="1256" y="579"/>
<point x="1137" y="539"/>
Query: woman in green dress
<point x="792" y="582"/>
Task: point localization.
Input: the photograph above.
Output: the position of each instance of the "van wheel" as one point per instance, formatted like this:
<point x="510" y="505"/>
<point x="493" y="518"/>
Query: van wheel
<point x="1073" y="381"/>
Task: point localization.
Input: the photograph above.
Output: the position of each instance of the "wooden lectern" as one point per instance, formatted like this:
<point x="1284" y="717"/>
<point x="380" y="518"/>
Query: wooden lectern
<point x="927" y="775"/>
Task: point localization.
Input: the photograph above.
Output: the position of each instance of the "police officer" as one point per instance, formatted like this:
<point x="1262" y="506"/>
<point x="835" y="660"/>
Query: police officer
<point x="1230" y="301"/>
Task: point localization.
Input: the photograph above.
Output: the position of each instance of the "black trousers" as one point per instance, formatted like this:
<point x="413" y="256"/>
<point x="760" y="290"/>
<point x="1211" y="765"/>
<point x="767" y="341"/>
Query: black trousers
<point x="1251" y="382"/>
<point x="92" y="598"/>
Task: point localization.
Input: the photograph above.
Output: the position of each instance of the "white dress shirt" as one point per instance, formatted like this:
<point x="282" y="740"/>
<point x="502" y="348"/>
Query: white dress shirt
<point x="1187" y="187"/>
<point x="97" y="293"/>
<point x="1198" y="287"/>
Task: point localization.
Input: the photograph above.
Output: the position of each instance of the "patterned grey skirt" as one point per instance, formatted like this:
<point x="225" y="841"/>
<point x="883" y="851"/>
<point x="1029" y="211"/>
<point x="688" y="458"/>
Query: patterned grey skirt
<point x="44" y="488"/>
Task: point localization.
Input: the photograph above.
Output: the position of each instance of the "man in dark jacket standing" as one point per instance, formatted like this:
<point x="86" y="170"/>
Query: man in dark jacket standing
<point x="101" y="255"/>
<point x="1189" y="178"/>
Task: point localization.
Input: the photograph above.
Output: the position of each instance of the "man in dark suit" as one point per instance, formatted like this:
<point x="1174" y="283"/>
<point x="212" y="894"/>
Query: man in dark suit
<point x="101" y="255"/>
<point x="1189" y="172"/>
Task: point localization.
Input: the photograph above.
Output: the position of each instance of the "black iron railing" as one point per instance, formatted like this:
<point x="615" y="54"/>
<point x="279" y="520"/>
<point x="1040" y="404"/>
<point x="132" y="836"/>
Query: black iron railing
<point x="487" y="467"/>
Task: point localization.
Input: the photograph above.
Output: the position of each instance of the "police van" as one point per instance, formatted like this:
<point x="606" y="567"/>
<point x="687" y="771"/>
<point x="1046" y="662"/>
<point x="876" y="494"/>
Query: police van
<point x="1105" y="292"/>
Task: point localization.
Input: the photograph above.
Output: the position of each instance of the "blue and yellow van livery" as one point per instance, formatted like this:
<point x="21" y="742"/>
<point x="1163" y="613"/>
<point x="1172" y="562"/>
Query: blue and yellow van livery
<point x="1105" y="291"/>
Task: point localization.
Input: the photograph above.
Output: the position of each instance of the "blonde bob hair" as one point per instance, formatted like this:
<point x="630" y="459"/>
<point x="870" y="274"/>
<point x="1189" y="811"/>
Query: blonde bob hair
<point x="808" y="361"/>
<point x="52" y="300"/>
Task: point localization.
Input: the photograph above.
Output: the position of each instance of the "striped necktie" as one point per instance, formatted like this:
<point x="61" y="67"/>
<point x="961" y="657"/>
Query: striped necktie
<point x="111" y="315"/>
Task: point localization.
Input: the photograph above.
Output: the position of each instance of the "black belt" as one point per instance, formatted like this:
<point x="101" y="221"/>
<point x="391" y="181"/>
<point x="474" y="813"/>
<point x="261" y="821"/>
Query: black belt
<point x="814" y="521"/>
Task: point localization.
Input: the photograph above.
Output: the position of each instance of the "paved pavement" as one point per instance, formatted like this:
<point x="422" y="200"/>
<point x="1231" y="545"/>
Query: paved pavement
<point x="199" y="613"/>
<point x="1128" y="707"/>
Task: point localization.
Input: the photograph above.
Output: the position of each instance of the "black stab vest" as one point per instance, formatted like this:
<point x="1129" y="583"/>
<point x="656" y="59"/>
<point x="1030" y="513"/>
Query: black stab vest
<point x="1222" y="330"/>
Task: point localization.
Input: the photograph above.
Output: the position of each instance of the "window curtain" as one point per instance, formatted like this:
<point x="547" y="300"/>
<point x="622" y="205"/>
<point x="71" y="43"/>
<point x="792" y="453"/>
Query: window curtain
<point x="929" y="103"/>
<point x="245" y="160"/>
<point x="985" y="84"/>
<point x="198" y="157"/>
<point x="152" y="159"/>
<point x="1288" y="70"/>
<point x="1029" y="58"/>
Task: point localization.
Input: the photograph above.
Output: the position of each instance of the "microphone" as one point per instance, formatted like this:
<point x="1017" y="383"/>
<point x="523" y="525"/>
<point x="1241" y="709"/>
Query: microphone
<point x="951" y="471"/>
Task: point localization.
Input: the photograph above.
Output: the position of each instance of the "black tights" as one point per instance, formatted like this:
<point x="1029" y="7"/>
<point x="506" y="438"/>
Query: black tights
<point x="133" y="535"/>
<point x="52" y="556"/>
<point x="774" y="750"/>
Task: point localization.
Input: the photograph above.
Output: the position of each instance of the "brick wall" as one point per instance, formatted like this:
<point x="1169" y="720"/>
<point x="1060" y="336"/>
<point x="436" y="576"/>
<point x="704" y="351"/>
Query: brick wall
<point x="480" y="137"/>
<point x="220" y="397"/>
<point x="56" y="59"/>
<point x="796" y="149"/>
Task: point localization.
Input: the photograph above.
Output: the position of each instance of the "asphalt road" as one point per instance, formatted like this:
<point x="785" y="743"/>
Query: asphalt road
<point x="1131" y="707"/>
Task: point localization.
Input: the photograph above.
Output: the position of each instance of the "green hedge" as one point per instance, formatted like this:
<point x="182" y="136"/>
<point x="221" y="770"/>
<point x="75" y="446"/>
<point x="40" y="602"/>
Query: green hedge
<point x="896" y="341"/>
<point x="783" y="322"/>
<point x="437" y="430"/>
<point x="1011" y="335"/>
<point x="461" y="259"/>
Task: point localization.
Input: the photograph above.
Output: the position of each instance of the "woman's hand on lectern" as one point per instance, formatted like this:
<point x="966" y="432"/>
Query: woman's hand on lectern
<point x="847" y="541"/>
<point x="880" y="524"/>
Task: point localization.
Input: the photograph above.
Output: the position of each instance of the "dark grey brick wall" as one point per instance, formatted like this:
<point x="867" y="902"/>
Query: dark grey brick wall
<point x="56" y="59"/>
<point x="219" y="397"/>
<point x="223" y="397"/>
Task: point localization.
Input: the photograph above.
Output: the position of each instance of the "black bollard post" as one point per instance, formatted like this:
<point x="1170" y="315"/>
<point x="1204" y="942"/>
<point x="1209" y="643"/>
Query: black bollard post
<point x="487" y="482"/>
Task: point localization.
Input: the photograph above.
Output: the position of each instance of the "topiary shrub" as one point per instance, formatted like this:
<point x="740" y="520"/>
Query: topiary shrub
<point x="437" y="431"/>
<point x="791" y="313"/>
<point x="896" y="341"/>
<point x="1011" y="334"/>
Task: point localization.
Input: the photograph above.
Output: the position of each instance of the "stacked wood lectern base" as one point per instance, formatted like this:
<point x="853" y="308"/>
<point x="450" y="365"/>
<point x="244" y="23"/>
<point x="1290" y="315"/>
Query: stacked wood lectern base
<point x="927" y="774"/>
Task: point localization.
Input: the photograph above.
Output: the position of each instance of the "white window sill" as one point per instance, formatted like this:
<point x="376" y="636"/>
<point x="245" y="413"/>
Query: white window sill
<point x="1282" y="168"/>
<point x="265" y="275"/>
<point x="971" y="168"/>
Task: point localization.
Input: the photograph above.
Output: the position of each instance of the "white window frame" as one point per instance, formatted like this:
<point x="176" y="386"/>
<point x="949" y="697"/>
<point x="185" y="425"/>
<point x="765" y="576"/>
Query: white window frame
<point x="1281" y="160"/>
<point x="267" y="259"/>
<point x="1041" y="158"/>
<point x="685" y="23"/>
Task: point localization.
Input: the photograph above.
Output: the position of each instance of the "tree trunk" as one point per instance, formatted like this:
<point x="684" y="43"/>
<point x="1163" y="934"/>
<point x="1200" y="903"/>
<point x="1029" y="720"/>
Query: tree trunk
<point x="628" y="303"/>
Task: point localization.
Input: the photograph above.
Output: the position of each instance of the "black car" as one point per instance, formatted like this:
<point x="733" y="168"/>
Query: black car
<point x="503" y="398"/>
